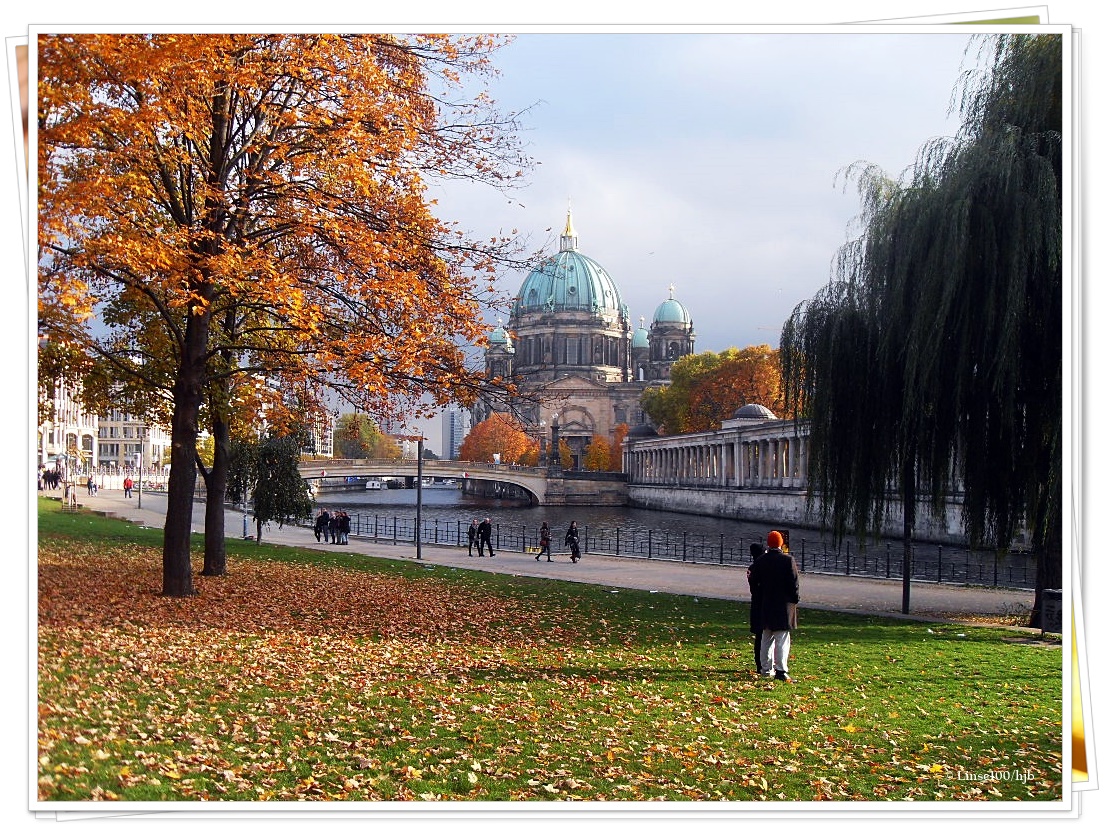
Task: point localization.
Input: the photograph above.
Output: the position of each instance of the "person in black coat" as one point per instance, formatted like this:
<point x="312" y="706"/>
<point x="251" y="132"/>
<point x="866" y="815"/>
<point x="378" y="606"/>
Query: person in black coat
<point x="774" y="576"/>
<point x="571" y="539"/>
<point x="473" y="535"/>
<point x="757" y="551"/>
<point x="322" y="526"/>
<point x="485" y="536"/>
<point x="545" y="541"/>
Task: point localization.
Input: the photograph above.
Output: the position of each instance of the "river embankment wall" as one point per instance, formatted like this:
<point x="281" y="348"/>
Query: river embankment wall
<point x="786" y="507"/>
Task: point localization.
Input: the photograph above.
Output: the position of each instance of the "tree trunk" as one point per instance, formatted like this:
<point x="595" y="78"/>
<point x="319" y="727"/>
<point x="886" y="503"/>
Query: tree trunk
<point x="906" y="561"/>
<point x="214" y="521"/>
<point x="187" y="396"/>
<point x="1046" y="543"/>
<point x="908" y="504"/>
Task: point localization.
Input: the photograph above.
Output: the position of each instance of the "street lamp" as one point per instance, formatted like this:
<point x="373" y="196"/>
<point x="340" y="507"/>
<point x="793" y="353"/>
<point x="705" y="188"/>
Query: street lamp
<point x="554" y="448"/>
<point x="140" y="457"/>
<point x="418" y="507"/>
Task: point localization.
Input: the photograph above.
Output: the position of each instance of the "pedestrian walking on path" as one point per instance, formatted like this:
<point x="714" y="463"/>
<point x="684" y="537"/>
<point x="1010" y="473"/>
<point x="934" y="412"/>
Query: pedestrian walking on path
<point x="571" y="540"/>
<point x="485" y="536"/>
<point x="545" y="542"/>
<point x="473" y="537"/>
<point x="322" y="526"/>
<point x="774" y="575"/>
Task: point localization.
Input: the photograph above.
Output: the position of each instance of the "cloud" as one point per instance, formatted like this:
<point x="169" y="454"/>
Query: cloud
<point x="711" y="161"/>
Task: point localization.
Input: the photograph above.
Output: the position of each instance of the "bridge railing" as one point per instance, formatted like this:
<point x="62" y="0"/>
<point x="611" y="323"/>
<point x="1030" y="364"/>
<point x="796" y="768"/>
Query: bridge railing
<point x="931" y="563"/>
<point x="406" y="466"/>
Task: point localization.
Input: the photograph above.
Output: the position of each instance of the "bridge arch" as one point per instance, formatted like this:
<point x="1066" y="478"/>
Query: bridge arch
<point x="471" y="475"/>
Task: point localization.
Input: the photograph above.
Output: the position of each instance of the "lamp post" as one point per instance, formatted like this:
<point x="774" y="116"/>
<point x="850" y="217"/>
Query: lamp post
<point x="554" y="448"/>
<point x="141" y="457"/>
<point x="418" y="507"/>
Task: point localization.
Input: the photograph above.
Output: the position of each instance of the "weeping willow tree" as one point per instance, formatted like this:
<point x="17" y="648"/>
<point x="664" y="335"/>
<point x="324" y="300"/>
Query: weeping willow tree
<point x="931" y="365"/>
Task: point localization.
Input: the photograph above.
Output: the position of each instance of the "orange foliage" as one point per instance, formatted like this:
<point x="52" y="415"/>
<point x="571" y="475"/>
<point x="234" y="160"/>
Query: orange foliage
<point x="617" y="448"/>
<point x="257" y="203"/>
<point x="567" y="457"/>
<point x="205" y="172"/>
<point x="597" y="454"/>
<point x="500" y="434"/>
<point x="751" y="376"/>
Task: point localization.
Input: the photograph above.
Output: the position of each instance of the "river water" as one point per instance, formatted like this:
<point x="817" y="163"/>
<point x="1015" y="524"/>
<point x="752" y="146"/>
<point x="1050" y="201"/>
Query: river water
<point x="446" y="514"/>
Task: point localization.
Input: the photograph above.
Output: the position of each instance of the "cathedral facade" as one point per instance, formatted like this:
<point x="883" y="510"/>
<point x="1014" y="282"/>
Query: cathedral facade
<point x="571" y="349"/>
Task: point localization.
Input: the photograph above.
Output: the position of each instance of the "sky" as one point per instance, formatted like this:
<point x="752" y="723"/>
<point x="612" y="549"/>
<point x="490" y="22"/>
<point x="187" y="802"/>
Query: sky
<point x="711" y="162"/>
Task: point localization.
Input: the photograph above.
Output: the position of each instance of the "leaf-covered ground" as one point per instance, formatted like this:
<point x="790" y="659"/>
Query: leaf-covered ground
<point x="323" y="677"/>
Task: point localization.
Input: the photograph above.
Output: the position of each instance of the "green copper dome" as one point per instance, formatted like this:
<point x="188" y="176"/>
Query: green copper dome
<point x="569" y="281"/>
<point x="672" y="311"/>
<point x="640" y="337"/>
<point x="499" y="337"/>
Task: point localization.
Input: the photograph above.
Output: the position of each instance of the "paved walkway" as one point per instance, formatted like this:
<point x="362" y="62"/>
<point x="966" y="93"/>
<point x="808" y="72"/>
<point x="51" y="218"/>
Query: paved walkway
<point x="837" y="593"/>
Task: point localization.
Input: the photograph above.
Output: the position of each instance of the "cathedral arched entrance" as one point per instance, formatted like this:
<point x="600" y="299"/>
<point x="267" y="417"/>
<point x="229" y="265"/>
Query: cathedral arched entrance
<point x="577" y="428"/>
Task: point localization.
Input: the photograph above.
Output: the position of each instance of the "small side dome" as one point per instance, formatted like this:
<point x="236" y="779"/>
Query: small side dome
<point x="499" y="338"/>
<point x="753" y="411"/>
<point x="640" y="337"/>
<point x="672" y="311"/>
<point x="642" y="431"/>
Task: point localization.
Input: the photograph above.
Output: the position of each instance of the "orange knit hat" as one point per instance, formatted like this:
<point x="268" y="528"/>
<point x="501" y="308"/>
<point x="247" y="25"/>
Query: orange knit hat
<point x="774" y="539"/>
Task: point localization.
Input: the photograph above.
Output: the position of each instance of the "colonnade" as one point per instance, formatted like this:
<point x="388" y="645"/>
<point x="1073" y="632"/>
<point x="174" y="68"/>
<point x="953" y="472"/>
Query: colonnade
<point x="771" y="455"/>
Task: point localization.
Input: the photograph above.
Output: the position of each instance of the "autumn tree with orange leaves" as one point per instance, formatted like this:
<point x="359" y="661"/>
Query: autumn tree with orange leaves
<point x="243" y="207"/>
<point x="497" y="434"/>
<point x="751" y="376"/>
<point x="707" y="388"/>
<point x="596" y="456"/>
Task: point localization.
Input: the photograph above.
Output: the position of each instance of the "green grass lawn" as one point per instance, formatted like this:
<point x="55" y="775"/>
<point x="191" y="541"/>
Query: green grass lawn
<point x="307" y="675"/>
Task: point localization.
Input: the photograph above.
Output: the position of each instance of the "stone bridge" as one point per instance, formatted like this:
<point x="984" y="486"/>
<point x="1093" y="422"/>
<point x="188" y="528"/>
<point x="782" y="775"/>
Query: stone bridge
<point x="542" y="485"/>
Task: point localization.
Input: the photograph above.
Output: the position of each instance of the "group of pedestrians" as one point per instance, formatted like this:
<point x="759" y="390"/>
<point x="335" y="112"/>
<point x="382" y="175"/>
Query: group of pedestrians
<point x="332" y="527"/>
<point x="773" y="582"/>
<point x="48" y="479"/>
<point x="479" y="537"/>
<point x="571" y="541"/>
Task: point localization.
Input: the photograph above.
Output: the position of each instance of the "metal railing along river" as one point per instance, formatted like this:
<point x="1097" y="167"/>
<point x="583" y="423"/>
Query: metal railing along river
<point x="883" y="559"/>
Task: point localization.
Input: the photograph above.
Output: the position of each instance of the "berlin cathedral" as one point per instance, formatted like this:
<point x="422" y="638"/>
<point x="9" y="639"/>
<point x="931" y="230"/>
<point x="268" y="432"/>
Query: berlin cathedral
<point x="570" y="344"/>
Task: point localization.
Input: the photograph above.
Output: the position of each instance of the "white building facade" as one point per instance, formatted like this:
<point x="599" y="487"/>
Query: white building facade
<point x="68" y="441"/>
<point x="125" y="442"/>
